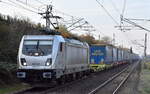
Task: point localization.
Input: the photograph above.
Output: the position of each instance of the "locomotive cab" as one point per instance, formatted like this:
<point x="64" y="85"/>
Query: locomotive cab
<point x="36" y="57"/>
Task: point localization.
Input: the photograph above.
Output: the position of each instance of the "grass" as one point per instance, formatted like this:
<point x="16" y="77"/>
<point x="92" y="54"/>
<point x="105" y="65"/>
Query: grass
<point x="144" y="87"/>
<point x="8" y="78"/>
<point x="7" y="73"/>
<point x="12" y="88"/>
<point x="147" y="90"/>
<point x="8" y="66"/>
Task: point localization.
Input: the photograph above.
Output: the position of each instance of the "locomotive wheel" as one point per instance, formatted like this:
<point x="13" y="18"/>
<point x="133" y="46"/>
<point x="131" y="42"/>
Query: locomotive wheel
<point x="74" y="76"/>
<point x="61" y="80"/>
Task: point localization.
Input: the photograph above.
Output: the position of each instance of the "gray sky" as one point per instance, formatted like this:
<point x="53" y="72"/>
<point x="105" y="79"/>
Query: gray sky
<point x="93" y="13"/>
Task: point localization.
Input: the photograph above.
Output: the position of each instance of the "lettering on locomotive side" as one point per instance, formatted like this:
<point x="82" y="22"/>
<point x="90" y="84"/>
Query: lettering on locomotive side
<point x="97" y="53"/>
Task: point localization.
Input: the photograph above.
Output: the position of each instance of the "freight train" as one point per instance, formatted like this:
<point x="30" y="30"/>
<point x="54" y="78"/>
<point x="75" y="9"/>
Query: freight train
<point x="103" y="56"/>
<point x="46" y="58"/>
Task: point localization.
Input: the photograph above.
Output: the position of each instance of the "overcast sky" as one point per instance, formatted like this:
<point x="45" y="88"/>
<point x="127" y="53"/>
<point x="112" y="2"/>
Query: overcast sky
<point x="94" y="13"/>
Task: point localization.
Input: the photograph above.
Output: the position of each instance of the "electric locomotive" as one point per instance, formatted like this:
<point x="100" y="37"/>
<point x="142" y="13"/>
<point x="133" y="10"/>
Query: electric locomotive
<point x="45" y="58"/>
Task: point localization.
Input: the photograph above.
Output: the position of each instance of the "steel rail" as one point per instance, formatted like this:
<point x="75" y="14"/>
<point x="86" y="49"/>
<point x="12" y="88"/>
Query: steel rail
<point x="108" y="81"/>
<point x="124" y="80"/>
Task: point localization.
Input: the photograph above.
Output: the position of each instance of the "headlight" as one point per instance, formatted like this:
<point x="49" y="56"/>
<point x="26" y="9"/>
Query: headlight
<point x="23" y="62"/>
<point x="36" y="54"/>
<point x="48" y="62"/>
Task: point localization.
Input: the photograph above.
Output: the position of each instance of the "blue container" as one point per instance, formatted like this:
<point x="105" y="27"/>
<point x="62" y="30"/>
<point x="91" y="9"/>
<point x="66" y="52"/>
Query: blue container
<point x="102" y="54"/>
<point x="97" y="54"/>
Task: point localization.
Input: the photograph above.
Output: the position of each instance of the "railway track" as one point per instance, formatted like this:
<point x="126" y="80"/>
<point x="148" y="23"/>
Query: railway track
<point x="45" y="90"/>
<point x="119" y="79"/>
<point x="76" y="85"/>
<point x="32" y="90"/>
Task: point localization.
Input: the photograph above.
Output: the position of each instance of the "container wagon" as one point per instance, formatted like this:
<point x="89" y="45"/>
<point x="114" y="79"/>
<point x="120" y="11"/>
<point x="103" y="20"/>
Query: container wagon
<point x="101" y="57"/>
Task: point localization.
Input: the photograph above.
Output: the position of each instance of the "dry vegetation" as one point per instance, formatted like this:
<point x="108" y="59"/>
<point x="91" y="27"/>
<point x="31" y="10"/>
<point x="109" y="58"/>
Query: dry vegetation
<point x="11" y="32"/>
<point x="144" y="86"/>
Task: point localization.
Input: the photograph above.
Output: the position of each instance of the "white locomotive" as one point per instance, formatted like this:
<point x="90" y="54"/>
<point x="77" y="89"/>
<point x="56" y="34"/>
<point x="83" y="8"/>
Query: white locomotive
<point x="51" y="57"/>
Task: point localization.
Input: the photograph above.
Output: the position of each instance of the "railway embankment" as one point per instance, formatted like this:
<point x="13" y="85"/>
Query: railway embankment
<point x="8" y="81"/>
<point x="139" y="82"/>
<point x="7" y="73"/>
<point x="144" y="84"/>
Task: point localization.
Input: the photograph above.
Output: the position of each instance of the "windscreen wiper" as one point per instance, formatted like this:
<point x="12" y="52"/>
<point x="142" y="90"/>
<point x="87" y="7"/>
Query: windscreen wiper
<point x="37" y="47"/>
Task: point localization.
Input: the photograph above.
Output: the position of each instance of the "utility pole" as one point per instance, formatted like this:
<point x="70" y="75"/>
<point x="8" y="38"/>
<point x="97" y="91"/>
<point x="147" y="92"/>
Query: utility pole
<point x="113" y="41"/>
<point x="99" y="37"/>
<point x="49" y="15"/>
<point x="145" y="45"/>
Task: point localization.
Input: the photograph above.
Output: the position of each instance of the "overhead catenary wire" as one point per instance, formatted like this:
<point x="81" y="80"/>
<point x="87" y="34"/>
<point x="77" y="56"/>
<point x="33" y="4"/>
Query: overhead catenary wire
<point x="128" y="20"/>
<point x="22" y="7"/>
<point x="140" y="19"/>
<point x="8" y="4"/>
<point x="128" y="39"/>
<point x="122" y="16"/>
<point x="41" y="2"/>
<point x="131" y="42"/>
<point x="132" y="23"/>
<point x="28" y="5"/>
<point x="137" y="25"/>
<point x="115" y="7"/>
<point x="102" y="32"/>
<point x="124" y="7"/>
<point x="73" y="18"/>
<point x="56" y="10"/>
<point x="107" y="12"/>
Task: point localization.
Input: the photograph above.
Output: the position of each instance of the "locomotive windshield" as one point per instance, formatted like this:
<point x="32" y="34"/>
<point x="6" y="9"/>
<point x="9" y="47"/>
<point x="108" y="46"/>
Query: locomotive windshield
<point x="37" y="47"/>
